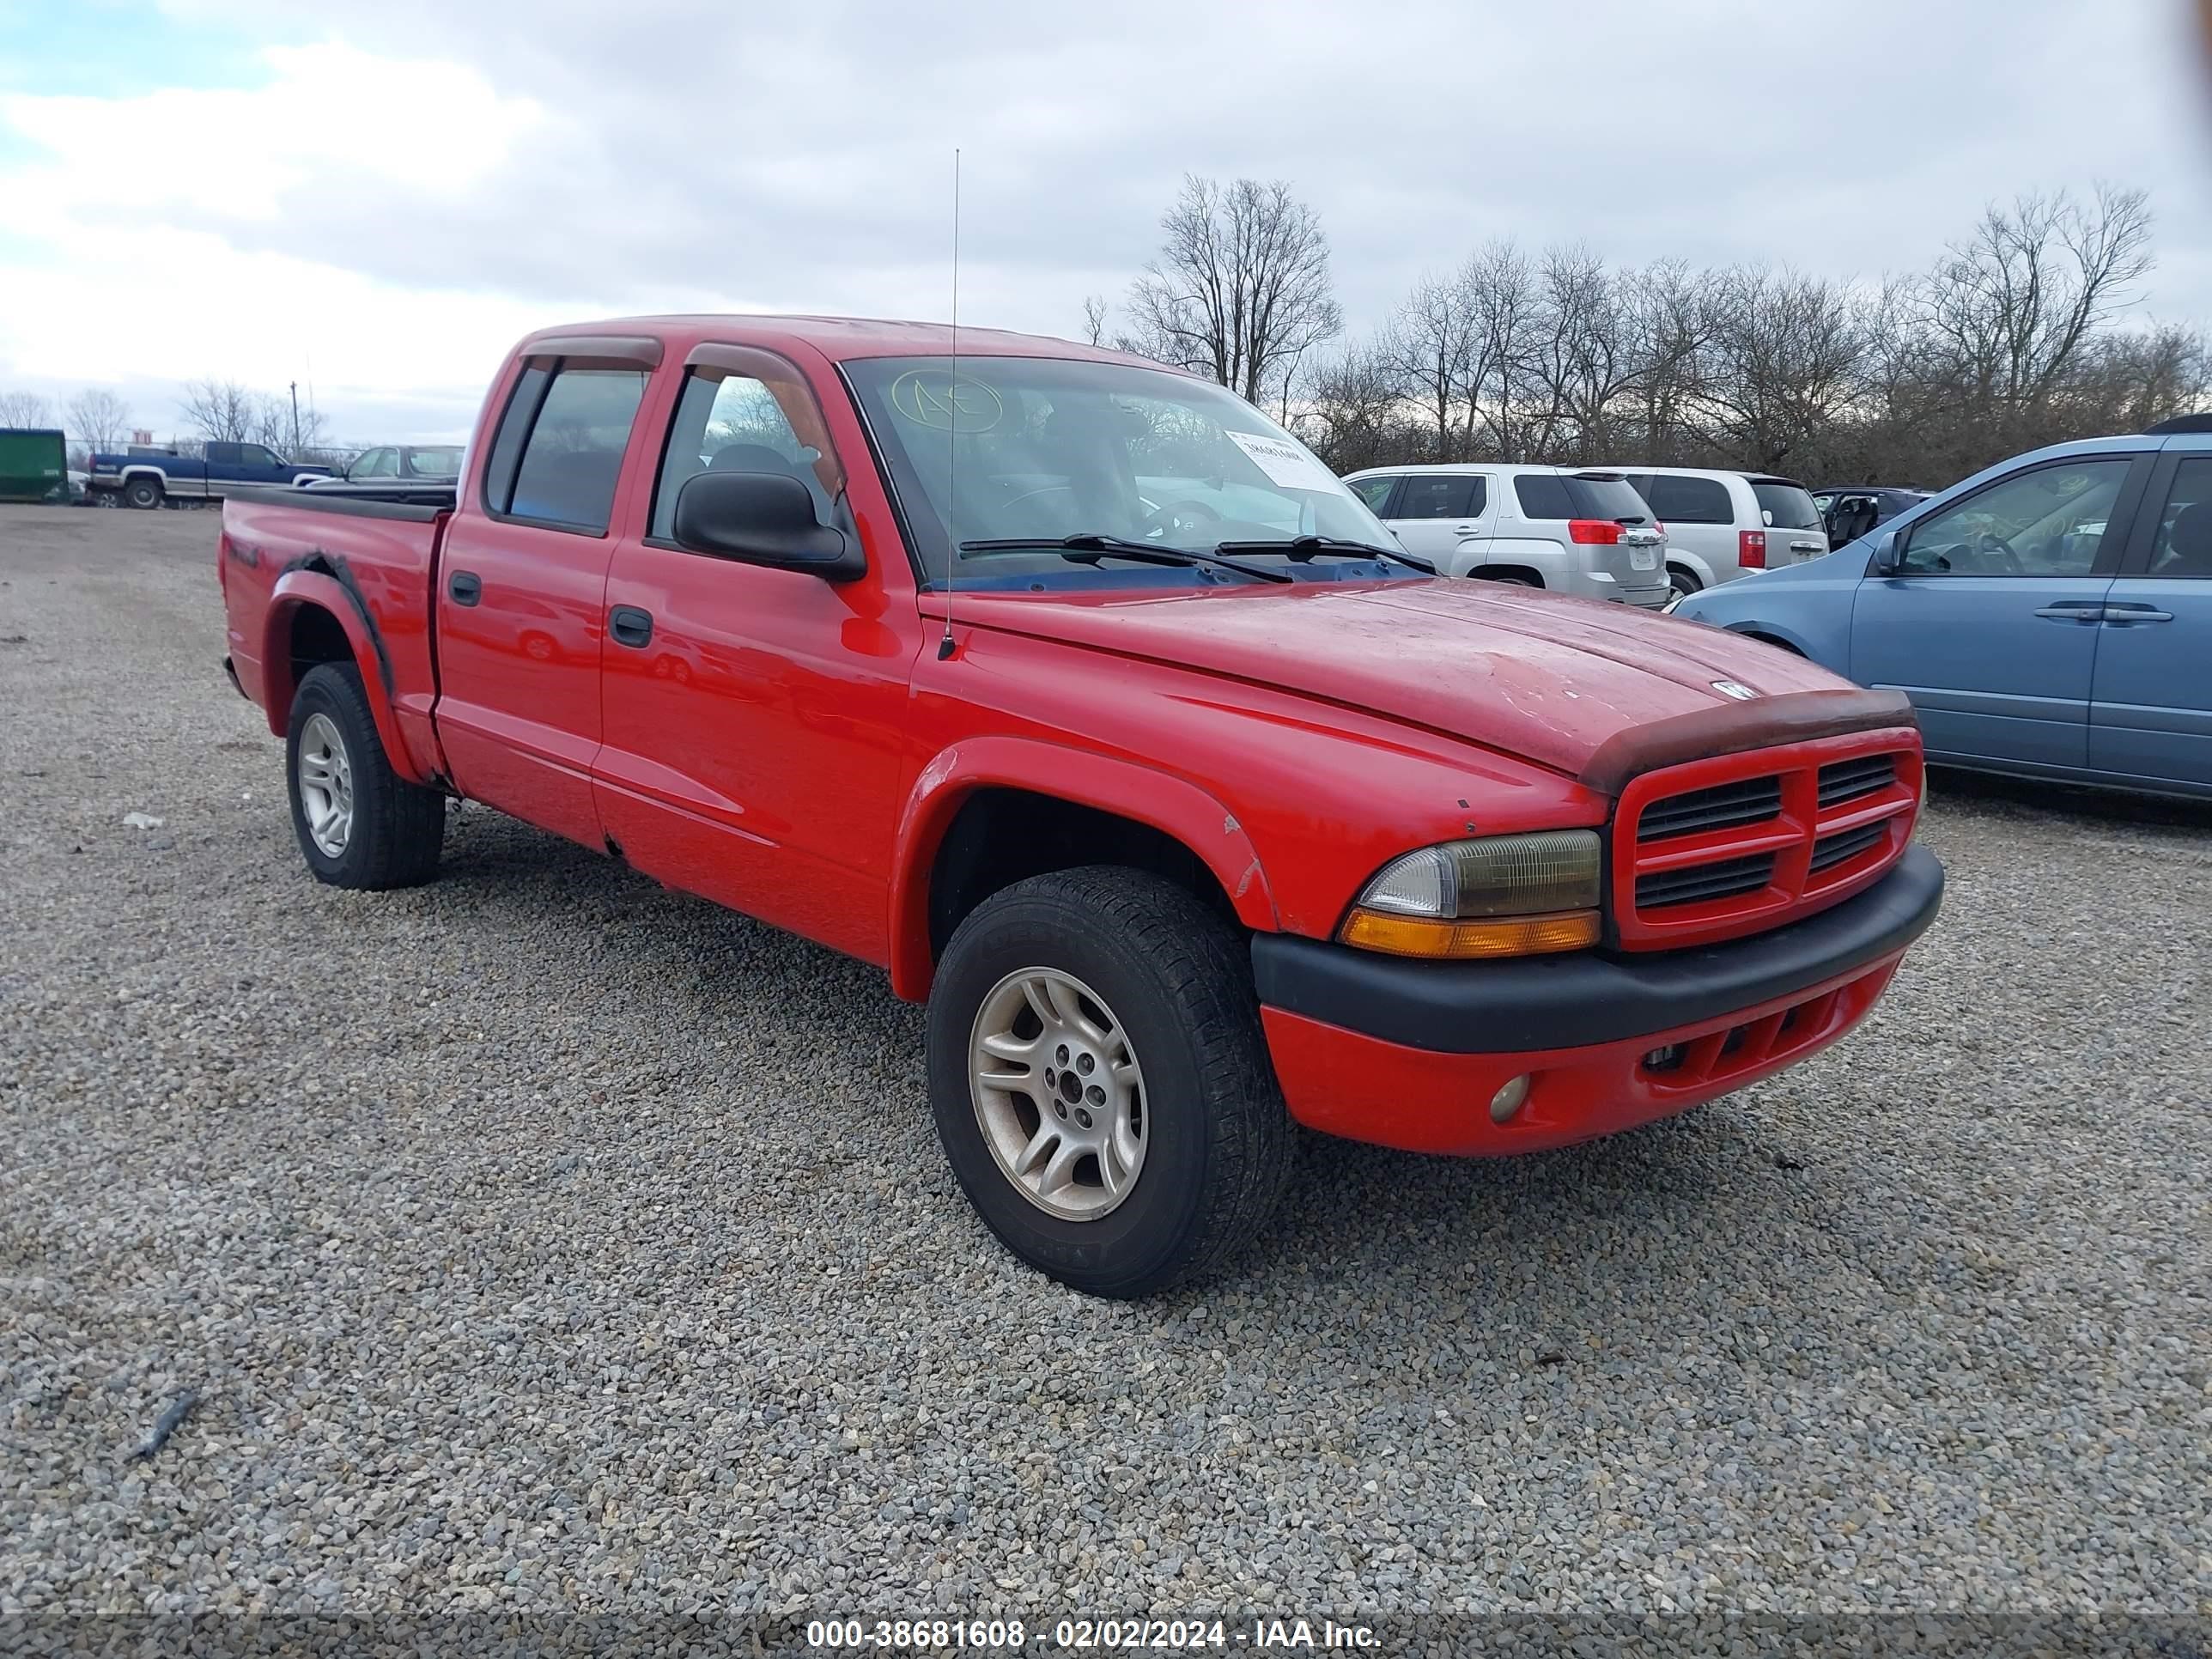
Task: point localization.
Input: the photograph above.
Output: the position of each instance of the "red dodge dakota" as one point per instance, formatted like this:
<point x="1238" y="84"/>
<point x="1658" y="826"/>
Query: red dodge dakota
<point x="1079" y="696"/>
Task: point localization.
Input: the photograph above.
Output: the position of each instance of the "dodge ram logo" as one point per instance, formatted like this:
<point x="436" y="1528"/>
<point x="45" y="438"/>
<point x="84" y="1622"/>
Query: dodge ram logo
<point x="1731" y="689"/>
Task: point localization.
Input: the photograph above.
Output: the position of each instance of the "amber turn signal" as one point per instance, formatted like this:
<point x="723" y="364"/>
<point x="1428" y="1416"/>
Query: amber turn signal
<point x="1484" y="937"/>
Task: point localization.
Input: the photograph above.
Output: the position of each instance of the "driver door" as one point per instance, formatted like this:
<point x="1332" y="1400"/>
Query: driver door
<point x="1990" y="620"/>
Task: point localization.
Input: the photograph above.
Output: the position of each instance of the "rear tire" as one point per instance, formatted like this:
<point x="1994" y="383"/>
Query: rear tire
<point x="1166" y="993"/>
<point x="359" y="823"/>
<point x="142" y="493"/>
<point x="1683" y="581"/>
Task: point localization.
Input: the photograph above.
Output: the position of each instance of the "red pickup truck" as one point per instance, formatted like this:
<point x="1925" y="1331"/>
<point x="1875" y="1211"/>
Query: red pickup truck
<point x="1080" y="697"/>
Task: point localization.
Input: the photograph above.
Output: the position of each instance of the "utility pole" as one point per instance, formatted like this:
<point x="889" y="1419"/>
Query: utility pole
<point x="296" y="420"/>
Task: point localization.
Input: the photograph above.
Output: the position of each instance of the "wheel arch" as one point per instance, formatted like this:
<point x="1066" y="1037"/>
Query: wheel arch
<point x="1091" y="804"/>
<point x="313" y="618"/>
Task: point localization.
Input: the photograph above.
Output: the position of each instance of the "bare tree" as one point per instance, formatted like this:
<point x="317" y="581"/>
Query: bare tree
<point x="22" y="408"/>
<point x="1354" y="411"/>
<point x="1788" y="352"/>
<point x="98" y="419"/>
<point x="1241" y="290"/>
<point x="1095" y="313"/>
<point x="220" y="411"/>
<point x="286" y="428"/>
<point x="2010" y="311"/>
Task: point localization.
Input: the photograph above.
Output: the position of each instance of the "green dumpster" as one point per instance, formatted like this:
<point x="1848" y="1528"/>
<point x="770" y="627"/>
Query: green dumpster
<point x="33" y="465"/>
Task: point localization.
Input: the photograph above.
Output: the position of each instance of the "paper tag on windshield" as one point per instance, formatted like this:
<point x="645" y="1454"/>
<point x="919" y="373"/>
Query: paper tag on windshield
<point x="1284" y="463"/>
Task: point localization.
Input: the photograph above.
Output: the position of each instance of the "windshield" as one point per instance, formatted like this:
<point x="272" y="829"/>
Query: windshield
<point x="1045" y="448"/>
<point x="1785" y="506"/>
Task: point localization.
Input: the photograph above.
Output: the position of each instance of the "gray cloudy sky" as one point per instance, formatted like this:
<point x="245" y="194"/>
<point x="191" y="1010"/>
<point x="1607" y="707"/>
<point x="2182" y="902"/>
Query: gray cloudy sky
<point x="381" y="197"/>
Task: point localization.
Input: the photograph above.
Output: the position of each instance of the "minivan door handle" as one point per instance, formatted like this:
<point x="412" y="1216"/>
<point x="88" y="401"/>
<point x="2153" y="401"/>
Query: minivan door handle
<point x="630" y="626"/>
<point x="465" y="586"/>
<point x="2078" y="610"/>
<point x="2125" y="612"/>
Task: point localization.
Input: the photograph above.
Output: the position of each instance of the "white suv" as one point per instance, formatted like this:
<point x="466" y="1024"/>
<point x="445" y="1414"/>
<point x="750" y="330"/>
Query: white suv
<point x="1721" y="525"/>
<point x="1579" y="531"/>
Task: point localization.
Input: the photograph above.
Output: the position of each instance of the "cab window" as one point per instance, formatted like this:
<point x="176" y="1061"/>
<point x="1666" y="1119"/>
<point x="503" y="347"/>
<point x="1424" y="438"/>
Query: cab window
<point x="571" y="459"/>
<point x="752" y="413"/>
<point x="1442" y="495"/>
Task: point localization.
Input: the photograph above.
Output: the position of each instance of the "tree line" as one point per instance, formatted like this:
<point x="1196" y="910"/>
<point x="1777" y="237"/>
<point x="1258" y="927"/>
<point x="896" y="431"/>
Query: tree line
<point x="210" y="411"/>
<point x="2026" y="330"/>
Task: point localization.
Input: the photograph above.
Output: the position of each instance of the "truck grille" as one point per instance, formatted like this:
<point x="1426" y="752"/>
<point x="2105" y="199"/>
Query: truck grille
<point x="1698" y="882"/>
<point x="1845" y="781"/>
<point x="1716" y="849"/>
<point x="1753" y="800"/>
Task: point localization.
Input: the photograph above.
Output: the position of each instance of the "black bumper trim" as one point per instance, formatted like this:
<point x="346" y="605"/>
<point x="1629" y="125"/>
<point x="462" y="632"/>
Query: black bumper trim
<point x="1571" y="1001"/>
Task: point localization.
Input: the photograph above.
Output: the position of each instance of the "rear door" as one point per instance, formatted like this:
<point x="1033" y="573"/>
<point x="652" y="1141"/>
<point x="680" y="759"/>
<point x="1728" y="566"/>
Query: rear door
<point x="1990" y="624"/>
<point x="522" y="587"/>
<point x="2150" y="712"/>
<point x="1792" y="521"/>
<point x="1635" y="559"/>
<point x="1441" y="517"/>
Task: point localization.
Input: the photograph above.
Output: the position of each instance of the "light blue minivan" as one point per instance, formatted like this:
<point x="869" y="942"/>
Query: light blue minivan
<point x="2049" y="618"/>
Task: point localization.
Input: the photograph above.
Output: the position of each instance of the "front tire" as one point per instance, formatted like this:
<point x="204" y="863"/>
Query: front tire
<point x="1683" y="581"/>
<point x="1153" y="1164"/>
<point x="359" y="823"/>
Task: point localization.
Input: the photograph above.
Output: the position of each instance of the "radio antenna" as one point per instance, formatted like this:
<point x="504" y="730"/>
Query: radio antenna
<point x="952" y="410"/>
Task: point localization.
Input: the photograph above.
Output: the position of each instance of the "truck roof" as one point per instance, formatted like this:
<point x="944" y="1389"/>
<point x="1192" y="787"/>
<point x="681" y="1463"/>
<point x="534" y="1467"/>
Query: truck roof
<point x="838" y="339"/>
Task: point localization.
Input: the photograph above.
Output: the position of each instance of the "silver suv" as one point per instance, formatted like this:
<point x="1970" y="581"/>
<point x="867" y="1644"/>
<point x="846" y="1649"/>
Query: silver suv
<point x="1573" y="530"/>
<point x="1721" y="525"/>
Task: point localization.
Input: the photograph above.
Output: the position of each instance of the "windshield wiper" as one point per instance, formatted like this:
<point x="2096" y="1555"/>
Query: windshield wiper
<point x="1088" y="547"/>
<point x="1302" y="548"/>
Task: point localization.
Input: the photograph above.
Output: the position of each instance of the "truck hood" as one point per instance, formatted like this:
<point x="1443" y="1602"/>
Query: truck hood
<point x="1538" y="676"/>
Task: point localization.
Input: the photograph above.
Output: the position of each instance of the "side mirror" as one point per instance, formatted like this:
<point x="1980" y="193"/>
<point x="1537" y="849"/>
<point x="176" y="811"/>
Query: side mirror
<point x="1888" y="558"/>
<point x="765" y="518"/>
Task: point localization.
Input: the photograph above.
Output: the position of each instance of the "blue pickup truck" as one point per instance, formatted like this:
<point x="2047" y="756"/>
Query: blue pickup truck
<point x="142" y="480"/>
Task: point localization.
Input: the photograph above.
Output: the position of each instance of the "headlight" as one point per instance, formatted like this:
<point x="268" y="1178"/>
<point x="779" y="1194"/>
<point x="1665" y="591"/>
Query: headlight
<point x="1503" y="895"/>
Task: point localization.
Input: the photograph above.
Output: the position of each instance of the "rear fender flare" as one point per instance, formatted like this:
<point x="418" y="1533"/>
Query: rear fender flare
<point x="1124" y="789"/>
<point x="314" y="581"/>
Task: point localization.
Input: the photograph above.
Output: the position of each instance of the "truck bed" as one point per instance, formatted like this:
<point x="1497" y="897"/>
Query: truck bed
<point x="287" y="554"/>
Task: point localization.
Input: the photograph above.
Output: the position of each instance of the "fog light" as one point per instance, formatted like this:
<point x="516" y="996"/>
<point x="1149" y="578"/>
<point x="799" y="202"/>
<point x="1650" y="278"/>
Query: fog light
<point x="1507" y="1101"/>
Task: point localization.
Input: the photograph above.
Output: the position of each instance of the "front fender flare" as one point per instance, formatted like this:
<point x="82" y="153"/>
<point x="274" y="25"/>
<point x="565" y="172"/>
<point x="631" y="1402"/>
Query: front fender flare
<point x="1125" y="788"/>
<point x="304" y="584"/>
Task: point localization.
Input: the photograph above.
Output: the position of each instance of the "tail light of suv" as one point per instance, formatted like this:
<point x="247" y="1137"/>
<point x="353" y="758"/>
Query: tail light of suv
<point x="1593" y="532"/>
<point x="1751" y="549"/>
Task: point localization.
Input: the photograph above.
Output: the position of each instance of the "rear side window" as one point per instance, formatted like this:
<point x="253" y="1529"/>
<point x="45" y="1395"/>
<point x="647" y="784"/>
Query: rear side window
<point x="1440" y="497"/>
<point x="1690" y="501"/>
<point x="1542" y="495"/>
<point x="1785" y="506"/>
<point x="558" y="453"/>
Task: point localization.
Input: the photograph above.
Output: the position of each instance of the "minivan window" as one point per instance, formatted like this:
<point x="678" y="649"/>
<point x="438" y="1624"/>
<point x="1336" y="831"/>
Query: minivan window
<point x="1440" y="495"/>
<point x="1784" y="505"/>
<point x="1690" y="501"/>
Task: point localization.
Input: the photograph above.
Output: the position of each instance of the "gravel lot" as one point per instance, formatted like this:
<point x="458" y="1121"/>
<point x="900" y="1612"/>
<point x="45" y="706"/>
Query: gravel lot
<point x="542" y="1240"/>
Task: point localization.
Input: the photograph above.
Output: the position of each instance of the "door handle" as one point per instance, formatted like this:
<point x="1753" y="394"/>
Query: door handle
<point x="1808" y="547"/>
<point x="1463" y="529"/>
<point x="2079" y="611"/>
<point x="465" y="586"/>
<point x="2124" y="613"/>
<point x="630" y="626"/>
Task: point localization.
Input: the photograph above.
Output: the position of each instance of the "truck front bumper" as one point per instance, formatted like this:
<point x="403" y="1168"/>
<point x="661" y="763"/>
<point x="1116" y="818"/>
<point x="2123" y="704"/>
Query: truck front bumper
<point x="1412" y="1053"/>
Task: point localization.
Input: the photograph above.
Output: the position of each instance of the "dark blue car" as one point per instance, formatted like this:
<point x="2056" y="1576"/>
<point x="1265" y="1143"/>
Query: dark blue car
<point x="2049" y="618"/>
